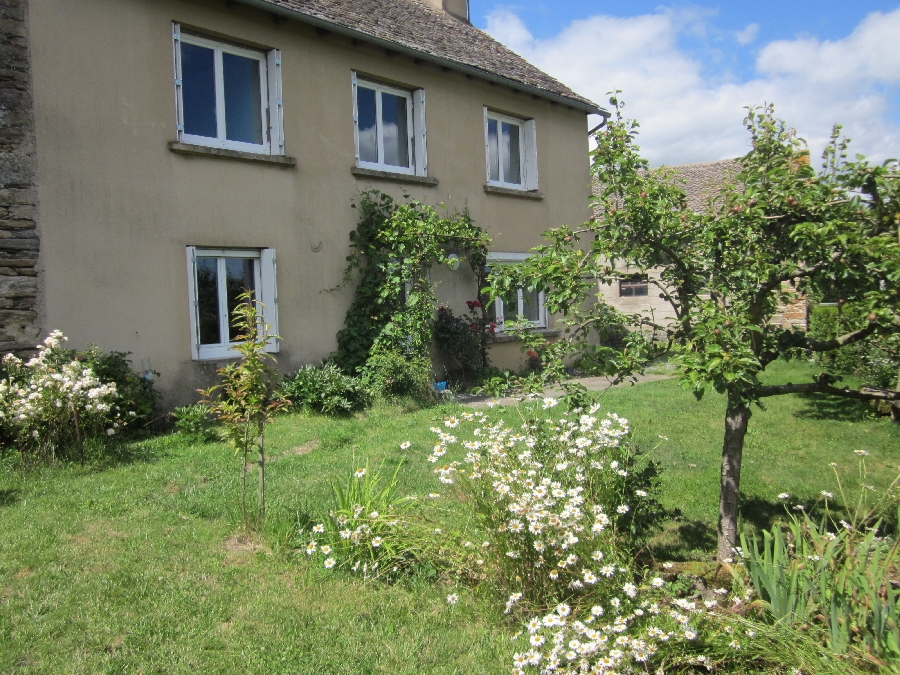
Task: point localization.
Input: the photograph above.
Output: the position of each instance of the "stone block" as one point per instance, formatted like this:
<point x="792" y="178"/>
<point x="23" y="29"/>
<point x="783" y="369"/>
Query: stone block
<point x="18" y="287"/>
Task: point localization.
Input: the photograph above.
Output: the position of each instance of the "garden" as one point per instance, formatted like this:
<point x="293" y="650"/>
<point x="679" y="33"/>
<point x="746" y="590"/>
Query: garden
<point x="349" y="518"/>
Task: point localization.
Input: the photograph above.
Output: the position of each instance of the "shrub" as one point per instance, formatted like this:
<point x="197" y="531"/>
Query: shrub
<point x="390" y="373"/>
<point x="325" y="389"/>
<point x="464" y="338"/>
<point x="195" y="422"/>
<point x="136" y="395"/>
<point x="53" y="403"/>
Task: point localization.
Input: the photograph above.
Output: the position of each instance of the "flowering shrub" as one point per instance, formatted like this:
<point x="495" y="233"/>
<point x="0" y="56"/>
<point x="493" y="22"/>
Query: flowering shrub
<point x="51" y="404"/>
<point x="560" y="501"/>
<point x="465" y="338"/>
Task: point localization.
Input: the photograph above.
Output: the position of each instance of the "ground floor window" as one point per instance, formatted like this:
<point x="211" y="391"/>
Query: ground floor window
<point x="519" y="304"/>
<point x="636" y="285"/>
<point x="216" y="277"/>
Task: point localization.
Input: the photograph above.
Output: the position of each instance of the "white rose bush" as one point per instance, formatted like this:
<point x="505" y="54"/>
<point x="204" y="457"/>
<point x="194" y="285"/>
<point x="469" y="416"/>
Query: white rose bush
<point x="50" y="404"/>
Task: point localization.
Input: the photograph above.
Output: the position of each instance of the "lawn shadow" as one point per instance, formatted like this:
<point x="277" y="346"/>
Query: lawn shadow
<point x="683" y="540"/>
<point x="107" y="456"/>
<point x="837" y="408"/>
<point x="9" y="497"/>
<point x="761" y="513"/>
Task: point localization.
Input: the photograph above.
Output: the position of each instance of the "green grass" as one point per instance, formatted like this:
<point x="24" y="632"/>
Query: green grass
<point x="134" y="566"/>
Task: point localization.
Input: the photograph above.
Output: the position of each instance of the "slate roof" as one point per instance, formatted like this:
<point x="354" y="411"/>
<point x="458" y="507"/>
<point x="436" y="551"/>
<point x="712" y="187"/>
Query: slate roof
<point x="413" y="26"/>
<point x="704" y="180"/>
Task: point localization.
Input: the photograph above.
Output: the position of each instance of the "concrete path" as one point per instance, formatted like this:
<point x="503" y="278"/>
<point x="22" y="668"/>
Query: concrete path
<point x="590" y="383"/>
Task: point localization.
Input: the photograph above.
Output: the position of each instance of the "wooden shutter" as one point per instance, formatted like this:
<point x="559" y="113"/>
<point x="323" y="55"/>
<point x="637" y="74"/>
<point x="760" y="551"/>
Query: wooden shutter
<point x="269" y="295"/>
<point x="530" y="164"/>
<point x="193" y="303"/>
<point x="421" y="152"/>
<point x="487" y="149"/>
<point x="355" y="116"/>
<point x="179" y="95"/>
<point x="276" y="104"/>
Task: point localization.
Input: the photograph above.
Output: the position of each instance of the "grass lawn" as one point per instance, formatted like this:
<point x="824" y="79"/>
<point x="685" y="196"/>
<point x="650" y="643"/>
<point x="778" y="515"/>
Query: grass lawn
<point x="134" y="567"/>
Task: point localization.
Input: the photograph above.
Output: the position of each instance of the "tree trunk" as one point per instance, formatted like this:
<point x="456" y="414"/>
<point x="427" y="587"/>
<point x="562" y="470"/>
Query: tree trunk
<point x="737" y="414"/>
<point x="261" y="488"/>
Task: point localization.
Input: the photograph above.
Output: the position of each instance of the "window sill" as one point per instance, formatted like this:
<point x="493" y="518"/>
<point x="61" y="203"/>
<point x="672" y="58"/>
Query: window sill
<point x="513" y="192"/>
<point x="391" y="175"/>
<point x="205" y="151"/>
<point x="546" y="332"/>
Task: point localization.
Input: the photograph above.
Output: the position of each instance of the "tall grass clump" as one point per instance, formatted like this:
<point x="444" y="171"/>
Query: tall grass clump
<point x="834" y="573"/>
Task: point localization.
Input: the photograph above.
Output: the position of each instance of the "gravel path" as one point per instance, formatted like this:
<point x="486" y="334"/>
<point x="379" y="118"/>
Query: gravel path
<point x="591" y="383"/>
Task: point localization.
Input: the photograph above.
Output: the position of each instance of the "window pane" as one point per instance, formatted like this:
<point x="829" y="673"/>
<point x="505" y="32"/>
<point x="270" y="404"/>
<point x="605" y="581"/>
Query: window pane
<point x="510" y="306"/>
<point x="493" y="151"/>
<point x="365" y="110"/>
<point x="243" y="109"/>
<point x="531" y="305"/>
<point x="239" y="278"/>
<point x="208" y="301"/>
<point x="198" y="90"/>
<point x="396" y="138"/>
<point x="511" y="172"/>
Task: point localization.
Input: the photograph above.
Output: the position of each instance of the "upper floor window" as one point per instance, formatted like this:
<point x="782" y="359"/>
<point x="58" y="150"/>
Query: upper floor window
<point x="510" y="151"/>
<point x="389" y="128"/>
<point x="216" y="277"/>
<point x="227" y="96"/>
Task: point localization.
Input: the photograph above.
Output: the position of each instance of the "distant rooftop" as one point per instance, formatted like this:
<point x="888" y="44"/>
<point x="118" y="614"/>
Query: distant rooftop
<point x="425" y="32"/>
<point x="704" y="180"/>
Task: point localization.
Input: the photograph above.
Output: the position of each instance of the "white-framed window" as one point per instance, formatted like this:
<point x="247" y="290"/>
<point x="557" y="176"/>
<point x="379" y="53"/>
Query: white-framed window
<point x="521" y="304"/>
<point x="216" y="277"/>
<point x="510" y="149"/>
<point x="389" y="128"/>
<point x="227" y="96"/>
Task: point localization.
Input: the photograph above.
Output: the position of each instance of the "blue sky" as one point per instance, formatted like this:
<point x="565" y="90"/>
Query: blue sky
<point x="687" y="69"/>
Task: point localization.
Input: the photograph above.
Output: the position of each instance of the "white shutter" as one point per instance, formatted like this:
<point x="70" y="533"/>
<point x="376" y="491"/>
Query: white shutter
<point x="531" y="167"/>
<point x="269" y="294"/>
<point x="276" y="104"/>
<point x="179" y="97"/>
<point x="487" y="149"/>
<point x="419" y="131"/>
<point x="193" y="303"/>
<point x="355" y="117"/>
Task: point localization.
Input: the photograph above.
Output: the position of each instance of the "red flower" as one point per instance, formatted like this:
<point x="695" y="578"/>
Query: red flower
<point x="474" y="327"/>
<point x="473" y="304"/>
<point x="532" y="354"/>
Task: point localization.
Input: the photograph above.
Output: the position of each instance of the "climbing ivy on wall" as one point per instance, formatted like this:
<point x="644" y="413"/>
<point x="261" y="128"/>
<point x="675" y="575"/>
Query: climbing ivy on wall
<point x="392" y="247"/>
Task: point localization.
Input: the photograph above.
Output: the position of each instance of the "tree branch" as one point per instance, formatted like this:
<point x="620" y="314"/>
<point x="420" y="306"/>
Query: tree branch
<point x="821" y="387"/>
<point x="843" y="340"/>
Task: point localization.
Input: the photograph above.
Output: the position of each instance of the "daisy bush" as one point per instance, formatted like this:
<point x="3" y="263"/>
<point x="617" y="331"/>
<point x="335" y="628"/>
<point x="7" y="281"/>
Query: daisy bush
<point x="51" y="404"/>
<point x="560" y="501"/>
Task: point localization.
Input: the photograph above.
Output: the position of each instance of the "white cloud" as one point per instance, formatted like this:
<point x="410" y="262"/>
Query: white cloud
<point x="688" y="116"/>
<point x="747" y="35"/>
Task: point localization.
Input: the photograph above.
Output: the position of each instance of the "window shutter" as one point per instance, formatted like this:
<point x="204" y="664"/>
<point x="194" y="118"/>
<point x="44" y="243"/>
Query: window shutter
<point x="355" y="117"/>
<point x="487" y="150"/>
<point x="276" y="105"/>
<point x="269" y="294"/>
<point x="179" y="98"/>
<point x="192" y="302"/>
<point x="531" y="167"/>
<point x="418" y="97"/>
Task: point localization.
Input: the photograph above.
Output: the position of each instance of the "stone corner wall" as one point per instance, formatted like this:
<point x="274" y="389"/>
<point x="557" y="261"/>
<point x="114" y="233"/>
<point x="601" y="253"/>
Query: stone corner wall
<point x="793" y="312"/>
<point x="19" y="242"/>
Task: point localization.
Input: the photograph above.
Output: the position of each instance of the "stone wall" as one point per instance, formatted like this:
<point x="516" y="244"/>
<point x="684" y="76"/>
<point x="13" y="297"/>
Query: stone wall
<point x="19" y="242"/>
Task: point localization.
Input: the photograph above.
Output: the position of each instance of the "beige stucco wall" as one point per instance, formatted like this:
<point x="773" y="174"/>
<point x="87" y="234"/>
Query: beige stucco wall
<point x="118" y="208"/>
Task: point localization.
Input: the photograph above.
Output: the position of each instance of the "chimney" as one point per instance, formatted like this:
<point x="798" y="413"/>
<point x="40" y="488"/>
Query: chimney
<point x="458" y="9"/>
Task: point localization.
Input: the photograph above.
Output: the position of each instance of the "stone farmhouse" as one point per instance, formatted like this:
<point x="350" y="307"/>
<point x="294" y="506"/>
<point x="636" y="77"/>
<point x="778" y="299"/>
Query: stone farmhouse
<point x="158" y="154"/>
<point x="639" y="295"/>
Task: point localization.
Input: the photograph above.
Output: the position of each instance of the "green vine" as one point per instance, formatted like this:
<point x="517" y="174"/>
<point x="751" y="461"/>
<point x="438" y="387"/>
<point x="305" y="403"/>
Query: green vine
<point x="392" y="247"/>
